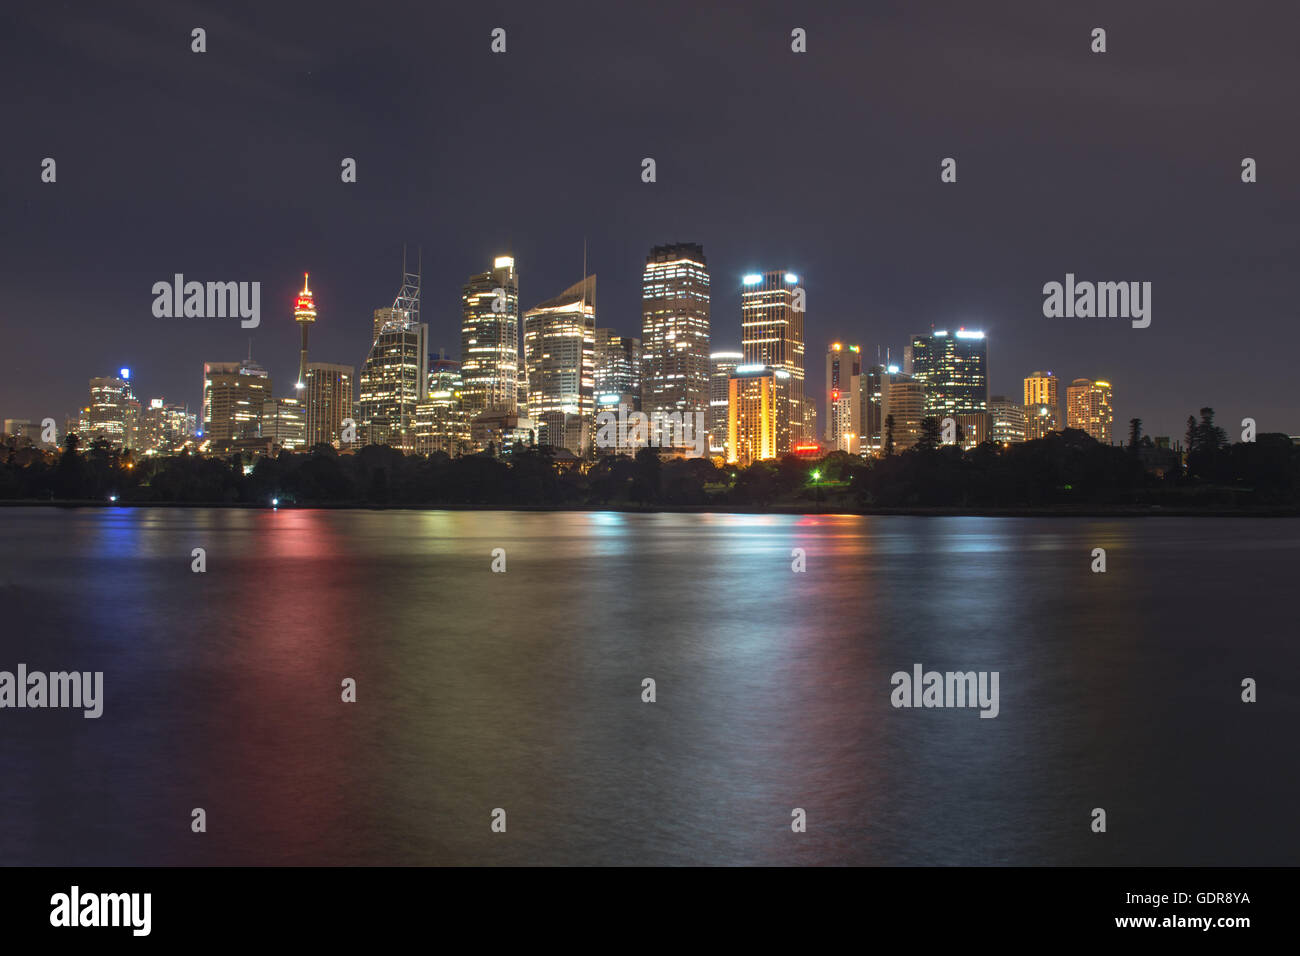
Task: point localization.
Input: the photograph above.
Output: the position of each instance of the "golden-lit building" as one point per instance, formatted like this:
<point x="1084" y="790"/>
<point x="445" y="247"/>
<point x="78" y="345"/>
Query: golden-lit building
<point x="1042" y="413"/>
<point x="757" y="416"/>
<point x="1089" y="409"/>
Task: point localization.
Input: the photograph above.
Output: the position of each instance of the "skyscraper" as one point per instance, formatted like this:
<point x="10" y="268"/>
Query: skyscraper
<point x="906" y="408"/>
<point x="234" y="395"/>
<point x="1042" y="415"/>
<point x="559" y="351"/>
<point x="1008" y="420"/>
<point x="618" y="366"/>
<point x="395" y="376"/>
<point x="441" y="423"/>
<point x="1088" y="408"/>
<point x="284" y="422"/>
<point x="722" y="364"/>
<point x="772" y="334"/>
<point x="758" y="404"/>
<point x="675" y="330"/>
<point x="875" y="404"/>
<point x="953" y="367"/>
<point x="844" y="398"/>
<point x="109" y="413"/>
<point x="304" y="313"/>
<point x="329" y="400"/>
<point x="489" y="340"/>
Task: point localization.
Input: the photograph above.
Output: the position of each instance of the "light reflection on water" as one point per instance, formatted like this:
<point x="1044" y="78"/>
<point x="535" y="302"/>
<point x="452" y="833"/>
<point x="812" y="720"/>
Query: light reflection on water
<point x="522" y="690"/>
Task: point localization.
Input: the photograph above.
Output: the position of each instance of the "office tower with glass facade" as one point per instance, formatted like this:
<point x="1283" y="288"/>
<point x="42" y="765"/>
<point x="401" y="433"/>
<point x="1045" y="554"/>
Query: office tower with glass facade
<point x="441" y="424"/>
<point x="328" y="398"/>
<point x="953" y="367"/>
<point x="1008" y="420"/>
<point x="844" y="398"/>
<point x="875" y="405"/>
<point x="395" y="376"/>
<point x="905" y="404"/>
<point x="234" y="395"/>
<point x="618" y="364"/>
<point x="284" y="423"/>
<point x="1088" y="408"/>
<point x="559" y="351"/>
<point x="1042" y="414"/>
<point x="489" y="340"/>
<point x="773" y="310"/>
<point x="721" y="365"/>
<point x="675" y="331"/>
<point x="109" y="414"/>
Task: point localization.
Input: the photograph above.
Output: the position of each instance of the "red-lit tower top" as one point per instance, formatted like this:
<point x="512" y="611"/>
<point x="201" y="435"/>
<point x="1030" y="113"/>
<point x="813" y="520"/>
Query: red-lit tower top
<point x="304" y="306"/>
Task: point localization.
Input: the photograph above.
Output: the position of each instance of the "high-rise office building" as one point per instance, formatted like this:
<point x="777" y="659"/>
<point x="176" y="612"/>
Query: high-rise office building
<point x="757" y="407"/>
<point x="489" y="340"/>
<point x="165" y="427"/>
<point x="906" y="407"/>
<point x="1042" y="414"/>
<point x="844" y="398"/>
<point x="1008" y="420"/>
<point x="772" y="333"/>
<point x="1089" y="409"/>
<point x="234" y="395"/>
<point x="953" y="367"/>
<point x="395" y="376"/>
<point x="875" y="405"/>
<point x="618" y="365"/>
<point x="721" y="365"/>
<point x="618" y="369"/>
<point x="559" y="351"/>
<point x="284" y="423"/>
<point x="441" y="422"/>
<point x="112" y="412"/>
<point x="675" y="330"/>
<point x="328" y="396"/>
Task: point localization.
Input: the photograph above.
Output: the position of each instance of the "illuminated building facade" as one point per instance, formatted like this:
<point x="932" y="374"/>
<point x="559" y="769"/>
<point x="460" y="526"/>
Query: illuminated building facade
<point x="328" y="396"/>
<point x="875" y="405"/>
<point x="721" y="365"/>
<point x="1008" y="426"/>
<point x="905" y="404"/>
<point x="234" y="394"/>
<point x="165" y="428"/>
<point x="284" y="423"/>
<point x="441" y="424"/>
<point x="559" y="352"/>
<point x="1088" y="408"/>
<point x="113" y="413"/>
<point x="395" y="376"/>
<point x="1042" y="414"/>
<point x="304" y="313"/>
<point x="772" y="334"/>
<point x="675" y="330"/>
<point x="953" y="367"/>
<point x="844" y="398"/>
<point x="758" y="414"/>
<point x="489" y="340"/>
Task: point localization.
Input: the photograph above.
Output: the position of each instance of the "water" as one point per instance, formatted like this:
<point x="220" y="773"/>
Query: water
<point x="523" y="690"/>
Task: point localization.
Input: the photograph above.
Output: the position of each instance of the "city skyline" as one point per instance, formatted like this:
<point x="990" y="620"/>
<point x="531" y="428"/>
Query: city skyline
<point x="476" y="300"/>
<point x="889" y="249"/>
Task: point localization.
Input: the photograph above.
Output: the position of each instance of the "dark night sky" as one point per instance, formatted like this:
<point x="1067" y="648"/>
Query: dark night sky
<point x="225" y="166"/>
